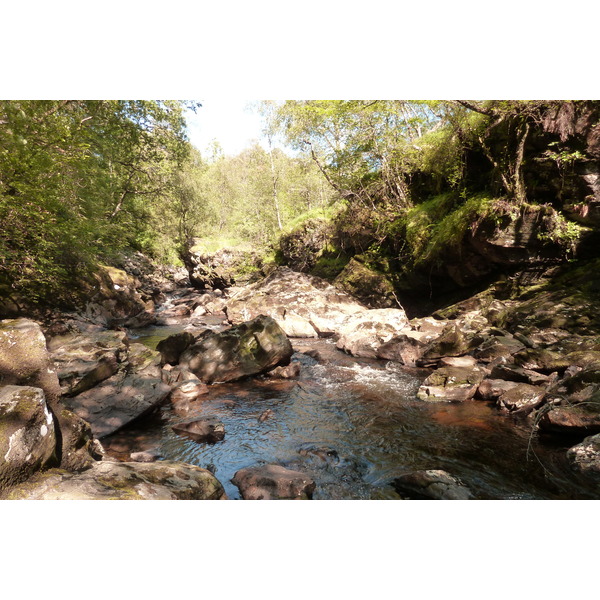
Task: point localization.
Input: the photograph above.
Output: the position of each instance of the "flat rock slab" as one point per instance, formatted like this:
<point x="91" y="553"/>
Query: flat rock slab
<point x="433" y="484"/>
<point x="209" y="430"/>
<point x="118" y="400"/>
<point x="165" y="480"/>
<point x="273" y="482"/>
<point x="302" y="305"/>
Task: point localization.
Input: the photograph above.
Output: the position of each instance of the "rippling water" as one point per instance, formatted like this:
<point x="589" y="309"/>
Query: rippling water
<point x="354" y="425"/>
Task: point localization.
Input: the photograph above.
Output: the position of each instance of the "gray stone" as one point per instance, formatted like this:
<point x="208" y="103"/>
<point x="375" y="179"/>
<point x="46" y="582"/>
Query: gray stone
<point x="432" y="484"/>
<point x="273" y="482"/>
<point x="27" y="437"/>
<point x="164" y="480"/>
<point x="248" y="349"/>
<point x="207" y="430"/>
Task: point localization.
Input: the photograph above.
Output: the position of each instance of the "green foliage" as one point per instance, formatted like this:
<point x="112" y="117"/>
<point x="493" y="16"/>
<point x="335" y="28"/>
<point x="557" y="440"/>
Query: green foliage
<point x="79" y="180"/>
<point x="562" y="231"/>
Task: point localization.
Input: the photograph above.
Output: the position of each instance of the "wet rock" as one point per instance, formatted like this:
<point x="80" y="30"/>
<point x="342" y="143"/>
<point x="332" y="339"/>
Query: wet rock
<point x="206" y="430"/>
<point x="293" y="300"/>
<point x="188" y="390"/>
<point x="145" y="456"/>
<point x="164" y="480"/>
<point x="291" y="371"/>
<point x="453" y="341"/>
<point x="511" y="372"/>
<point x="363" y="334"/>
<point x="579" y="419"/>
<point x="266" y="414"/>
<point x="521" y="397"/>
<point x="323" y="453"/>
<point x="451" y="384"/>
<point x="458" y="361"/>
<point x="273" y="482"/>
<point x="248" y="349"/>
<point x="409" y="345"/>
<point x="542" y="359"/>
<point x="27" y="437"/>
<point x="172" y="347"/>
<point x="585" y="457"/>
<point x="432" y="484"/>
<point x="492" y="389"/>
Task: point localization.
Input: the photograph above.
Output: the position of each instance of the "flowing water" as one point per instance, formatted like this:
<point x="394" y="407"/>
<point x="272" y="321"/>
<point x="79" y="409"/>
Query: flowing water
<point x="353" y="425"/>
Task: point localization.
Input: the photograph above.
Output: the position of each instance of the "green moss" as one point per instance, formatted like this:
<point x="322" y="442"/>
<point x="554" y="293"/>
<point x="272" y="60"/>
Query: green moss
<point x="330" y="264"/>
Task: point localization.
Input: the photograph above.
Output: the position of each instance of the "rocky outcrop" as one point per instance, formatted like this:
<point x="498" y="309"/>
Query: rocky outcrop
<point x="273" y="482"/>
<point x="432" y="485"/>
<point x="27" y="436"/>
<point x="302" y="305"/>
<point x="218" y="270"/>
<point x="250" y="348"/>
<point x="164" y="480"/>
<point x="371" y="287"/>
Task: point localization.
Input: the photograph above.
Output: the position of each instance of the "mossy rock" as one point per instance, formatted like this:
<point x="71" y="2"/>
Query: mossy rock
<point x="368" y="285"/>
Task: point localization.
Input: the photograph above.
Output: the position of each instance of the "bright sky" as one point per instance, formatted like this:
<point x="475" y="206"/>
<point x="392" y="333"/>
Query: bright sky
<point x="231" y="122"/>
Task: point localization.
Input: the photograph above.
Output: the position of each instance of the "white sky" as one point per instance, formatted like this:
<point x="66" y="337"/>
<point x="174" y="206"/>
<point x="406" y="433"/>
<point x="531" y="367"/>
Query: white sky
<point x="230" y="121"/>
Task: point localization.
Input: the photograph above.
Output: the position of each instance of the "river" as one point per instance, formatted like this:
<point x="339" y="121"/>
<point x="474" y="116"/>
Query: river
<point x="353" y="425"/>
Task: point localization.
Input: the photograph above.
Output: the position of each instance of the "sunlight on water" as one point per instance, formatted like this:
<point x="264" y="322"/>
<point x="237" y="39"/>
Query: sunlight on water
<point x="353" y="426"/>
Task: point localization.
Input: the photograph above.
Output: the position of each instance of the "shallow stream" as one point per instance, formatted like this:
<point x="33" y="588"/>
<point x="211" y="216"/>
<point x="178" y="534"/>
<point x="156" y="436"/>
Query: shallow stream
<point x="353" y="425"/>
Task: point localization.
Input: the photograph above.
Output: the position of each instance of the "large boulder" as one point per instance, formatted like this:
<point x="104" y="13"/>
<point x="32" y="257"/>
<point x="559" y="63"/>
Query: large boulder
<point x="82" y="360"/>
<point x="273" y="482"/>
<point x="164" y="480"/>
<point x="132" y="392"/>
<point x="173" y="346"/>
<point x="113" y="299"/>
<point x="27" y="436"/>
<point x="363" y="334"/>
<point x="246" y="349"/>
<point x="24" y="360"/>
<point x="302" y="305"/>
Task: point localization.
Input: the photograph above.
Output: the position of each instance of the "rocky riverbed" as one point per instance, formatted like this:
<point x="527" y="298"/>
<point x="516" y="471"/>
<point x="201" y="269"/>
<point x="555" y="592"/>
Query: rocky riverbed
<point x="158" y="390"/>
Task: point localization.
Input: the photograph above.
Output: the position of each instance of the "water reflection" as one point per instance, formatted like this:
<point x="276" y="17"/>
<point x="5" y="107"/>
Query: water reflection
<point x="353" y="426"/>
